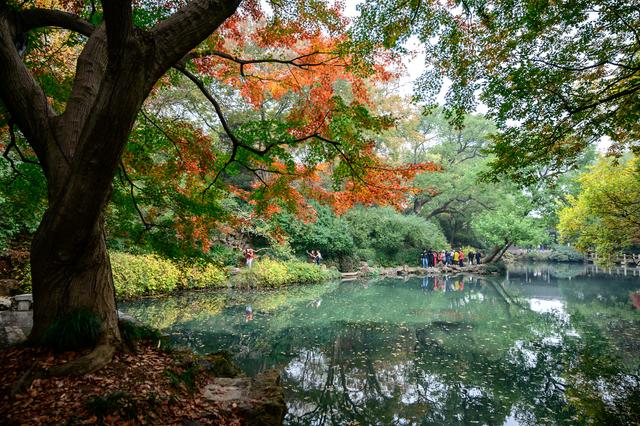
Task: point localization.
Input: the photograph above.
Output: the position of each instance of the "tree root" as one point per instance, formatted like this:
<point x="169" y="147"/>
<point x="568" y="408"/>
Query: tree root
<point x="95" y="360"/>
<point x="26" y="379"/>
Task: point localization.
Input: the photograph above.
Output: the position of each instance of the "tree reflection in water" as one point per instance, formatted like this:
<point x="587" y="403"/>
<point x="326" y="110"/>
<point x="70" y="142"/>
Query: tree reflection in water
<point x="545" y="346"/>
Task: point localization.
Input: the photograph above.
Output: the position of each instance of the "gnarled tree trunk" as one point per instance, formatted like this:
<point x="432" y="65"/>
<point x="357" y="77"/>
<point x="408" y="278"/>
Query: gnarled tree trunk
<point x="67" y="281"/>
<point x="79" y="150"/>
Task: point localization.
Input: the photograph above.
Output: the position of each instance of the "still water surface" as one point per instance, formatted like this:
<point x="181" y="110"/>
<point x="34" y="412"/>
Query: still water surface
<point x="547" y="344"/>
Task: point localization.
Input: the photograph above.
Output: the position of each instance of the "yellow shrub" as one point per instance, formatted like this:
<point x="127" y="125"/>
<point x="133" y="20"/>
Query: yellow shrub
<point x="139" y="275"/>
<point x="203" y="275"/>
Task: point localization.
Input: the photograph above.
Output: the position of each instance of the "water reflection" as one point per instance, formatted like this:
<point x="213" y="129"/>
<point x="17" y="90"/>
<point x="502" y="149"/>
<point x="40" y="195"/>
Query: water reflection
<point x="545" y="345"/>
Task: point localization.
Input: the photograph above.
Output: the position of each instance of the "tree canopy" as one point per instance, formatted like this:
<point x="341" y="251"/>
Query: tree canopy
<point x="556" y="76"/>
<point x="605" y="215"/>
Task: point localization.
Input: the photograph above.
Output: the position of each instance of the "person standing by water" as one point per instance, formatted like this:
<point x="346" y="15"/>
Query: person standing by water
<point x="432" y="257"/>
<point x="456" y="257"/>
<point x="460" y="257"/>
<point x="249" y="255"/>
<point x="471" y="255"/>
<point x="424" y="260"/>
<point x="478" y="256"/>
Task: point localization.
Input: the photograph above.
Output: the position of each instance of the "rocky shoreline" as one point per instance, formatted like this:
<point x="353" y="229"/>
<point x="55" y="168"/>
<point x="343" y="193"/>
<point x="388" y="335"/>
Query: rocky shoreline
<point x="404" y="271"/>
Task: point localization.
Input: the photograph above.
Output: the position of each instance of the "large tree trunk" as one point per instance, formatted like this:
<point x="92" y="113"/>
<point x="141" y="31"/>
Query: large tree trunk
<point x="69" y="276"/>
<point x="64" y="282"/>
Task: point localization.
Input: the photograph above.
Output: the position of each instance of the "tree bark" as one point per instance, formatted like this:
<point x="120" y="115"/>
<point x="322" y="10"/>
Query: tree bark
<point x="503" y="251"/>
<point x="66" y="281"/>
<point x="497" y="252"/>
<point x="489" y="258"/>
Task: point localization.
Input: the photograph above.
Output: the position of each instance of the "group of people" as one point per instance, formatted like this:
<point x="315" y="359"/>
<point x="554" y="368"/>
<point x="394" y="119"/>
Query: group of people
<point x="430" y="258"/>
<point x="315" y="256"/>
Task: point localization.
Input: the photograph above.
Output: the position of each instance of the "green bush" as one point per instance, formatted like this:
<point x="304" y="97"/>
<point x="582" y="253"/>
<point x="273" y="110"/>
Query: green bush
<point x="140" y="275"/>
<point x="385" y="237"/>
<point x="329" y="233"/>
<point x="274" y="273"/>
<point x="556" y="253"/>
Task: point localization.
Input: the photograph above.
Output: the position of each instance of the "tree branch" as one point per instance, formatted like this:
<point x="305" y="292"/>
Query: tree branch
<point x="146" y="224"/>
<point x="37" y="18"/>
<point x="21" y="94"/>
<point x="174" y="37"/>
<point x="117" y="18"/>
<point x="293" y="61"/>
<point x="225" y="125"/>
<point x="14" y="144"/>
<point x="166" y="135"/>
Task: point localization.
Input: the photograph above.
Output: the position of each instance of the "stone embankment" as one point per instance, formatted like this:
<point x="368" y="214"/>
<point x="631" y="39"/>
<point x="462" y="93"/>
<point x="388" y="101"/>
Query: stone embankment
<point x="16" y="319"/>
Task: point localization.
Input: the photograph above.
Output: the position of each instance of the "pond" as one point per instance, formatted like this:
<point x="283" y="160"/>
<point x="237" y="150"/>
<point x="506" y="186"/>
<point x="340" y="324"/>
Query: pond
<point x="546" y="344"/>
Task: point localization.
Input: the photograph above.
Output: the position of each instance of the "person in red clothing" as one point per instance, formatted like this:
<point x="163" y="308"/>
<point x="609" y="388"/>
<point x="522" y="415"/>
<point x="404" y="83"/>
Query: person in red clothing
<point x="249" y="255"/>
<point x="460" y="257"/>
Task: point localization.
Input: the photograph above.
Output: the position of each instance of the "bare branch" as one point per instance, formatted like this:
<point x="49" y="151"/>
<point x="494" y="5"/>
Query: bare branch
<point x="14" y="144"/>
<point x="296" y="62"/>
<point x="146" y="224"/>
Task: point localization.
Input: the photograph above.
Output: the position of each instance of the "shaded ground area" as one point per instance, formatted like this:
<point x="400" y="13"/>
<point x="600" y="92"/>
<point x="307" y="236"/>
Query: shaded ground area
<point x="149" y="387"/>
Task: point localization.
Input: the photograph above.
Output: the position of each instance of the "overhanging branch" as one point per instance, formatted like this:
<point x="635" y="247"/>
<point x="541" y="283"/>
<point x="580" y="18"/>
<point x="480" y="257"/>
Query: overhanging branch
<point x="38" y="18"/>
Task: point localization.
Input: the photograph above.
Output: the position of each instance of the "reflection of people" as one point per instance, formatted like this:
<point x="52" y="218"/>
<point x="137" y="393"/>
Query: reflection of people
<point x="249" y="254"/>
<point x="425" y="283"/>
<point x="248" y="314"/>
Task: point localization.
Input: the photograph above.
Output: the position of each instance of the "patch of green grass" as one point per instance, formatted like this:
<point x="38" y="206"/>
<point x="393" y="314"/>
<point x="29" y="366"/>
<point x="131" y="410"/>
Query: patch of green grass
<point x="133" y="334"/>
<point x="76" y="330"/>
